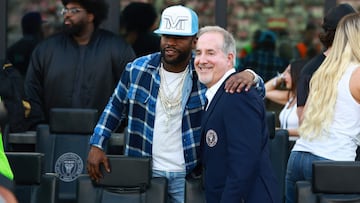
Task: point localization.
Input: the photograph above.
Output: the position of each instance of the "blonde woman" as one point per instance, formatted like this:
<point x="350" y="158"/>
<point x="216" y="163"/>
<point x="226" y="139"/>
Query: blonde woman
<point x="330" y="129"/>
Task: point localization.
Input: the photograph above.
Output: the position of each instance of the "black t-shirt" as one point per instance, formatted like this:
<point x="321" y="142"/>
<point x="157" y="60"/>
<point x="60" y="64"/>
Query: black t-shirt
<point x="305" y="77"/>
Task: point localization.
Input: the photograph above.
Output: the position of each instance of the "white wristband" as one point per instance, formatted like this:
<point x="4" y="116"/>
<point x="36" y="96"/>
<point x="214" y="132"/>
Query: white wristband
<point x="256" y="77"/>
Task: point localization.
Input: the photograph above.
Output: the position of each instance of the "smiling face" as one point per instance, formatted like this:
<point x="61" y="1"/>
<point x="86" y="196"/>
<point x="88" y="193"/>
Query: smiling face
<point x="176" y="50"/>
<point x="211" y="63"/>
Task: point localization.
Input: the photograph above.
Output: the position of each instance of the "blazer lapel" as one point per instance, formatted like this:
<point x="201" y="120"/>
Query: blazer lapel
<point x="211" y="106"/>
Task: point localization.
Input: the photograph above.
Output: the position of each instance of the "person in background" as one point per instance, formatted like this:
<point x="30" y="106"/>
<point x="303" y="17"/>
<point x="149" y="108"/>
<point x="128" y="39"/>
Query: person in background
<point x="286" y="96"/>
<point x="248" y="48"/>
<point x="78" y="67"/>
<point x="263" y="59"/>
<point x="137" y="23"/>
<point x="162" y="98"/>
<point x="12" y="95"/>
<point x="5" y="168"/>
<point x="330" y="22"/>
<point x="309" y="46"/>
<point x="330" y="129"/>
<point x="235" y="151"/>
<point x="20" y="52"/>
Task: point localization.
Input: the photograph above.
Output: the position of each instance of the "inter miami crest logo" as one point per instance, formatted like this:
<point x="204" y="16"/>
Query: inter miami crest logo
<point x="211" y="138"/>
<point x="69" y="166"/>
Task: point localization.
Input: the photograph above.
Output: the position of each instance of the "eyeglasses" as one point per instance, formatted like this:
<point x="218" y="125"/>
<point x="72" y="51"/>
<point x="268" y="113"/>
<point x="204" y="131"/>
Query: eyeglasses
<point x="70" y="10"/>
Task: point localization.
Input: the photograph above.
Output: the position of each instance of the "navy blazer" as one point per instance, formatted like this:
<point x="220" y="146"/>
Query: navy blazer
<point x="235" y="150"/>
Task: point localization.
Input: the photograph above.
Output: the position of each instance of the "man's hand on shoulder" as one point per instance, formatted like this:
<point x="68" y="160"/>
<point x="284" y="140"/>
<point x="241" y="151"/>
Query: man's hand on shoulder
<point x="242" y="80"/>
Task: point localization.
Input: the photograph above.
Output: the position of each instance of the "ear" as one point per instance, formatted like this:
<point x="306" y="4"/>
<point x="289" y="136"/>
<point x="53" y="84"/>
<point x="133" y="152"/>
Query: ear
<point x="194" y="41"/>
<point x="90" y="17"/>
<point x="230" y="57"/>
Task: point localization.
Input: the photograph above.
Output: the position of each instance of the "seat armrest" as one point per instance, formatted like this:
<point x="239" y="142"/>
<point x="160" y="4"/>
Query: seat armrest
<point x="48" y="190"/>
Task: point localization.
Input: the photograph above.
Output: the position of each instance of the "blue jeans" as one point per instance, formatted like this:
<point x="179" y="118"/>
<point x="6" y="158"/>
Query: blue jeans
<point x="176" y="185"/>
<point x="299" y="167"/>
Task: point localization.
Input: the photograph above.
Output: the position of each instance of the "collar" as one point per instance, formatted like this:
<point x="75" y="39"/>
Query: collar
<point x="210" y="92"/>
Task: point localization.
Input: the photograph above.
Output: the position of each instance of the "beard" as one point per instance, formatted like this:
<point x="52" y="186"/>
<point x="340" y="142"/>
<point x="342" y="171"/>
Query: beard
<point x="181" y="57"/>
<point x="205" y="79"/>
<point x="75" y="29"/>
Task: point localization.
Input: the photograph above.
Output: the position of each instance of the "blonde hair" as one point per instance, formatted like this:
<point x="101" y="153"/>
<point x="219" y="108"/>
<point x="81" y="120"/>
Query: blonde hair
<point x="319" y="108"/>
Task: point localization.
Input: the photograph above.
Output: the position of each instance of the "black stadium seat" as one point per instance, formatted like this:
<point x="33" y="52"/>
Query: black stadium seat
<point x="32" y="185"/>
<point x="129" y="181"/>
<point x="279" y="154"/>
<point x="65" y="143"/>
<point x="333" y="181"/>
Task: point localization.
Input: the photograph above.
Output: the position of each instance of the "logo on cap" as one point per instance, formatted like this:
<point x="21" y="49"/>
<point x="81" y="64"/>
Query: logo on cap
<point x="179" y="23"/>
<point x="178" y="20"/>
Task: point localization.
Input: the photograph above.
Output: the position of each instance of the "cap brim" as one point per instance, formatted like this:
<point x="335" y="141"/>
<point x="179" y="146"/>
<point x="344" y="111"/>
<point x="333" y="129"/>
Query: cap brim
<point x="158" y="31"/>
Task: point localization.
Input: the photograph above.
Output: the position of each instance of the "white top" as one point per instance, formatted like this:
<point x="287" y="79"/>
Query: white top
<point x="167" y="148"/>
<point x="343" y="136"/>
<point x="288" y="117"/>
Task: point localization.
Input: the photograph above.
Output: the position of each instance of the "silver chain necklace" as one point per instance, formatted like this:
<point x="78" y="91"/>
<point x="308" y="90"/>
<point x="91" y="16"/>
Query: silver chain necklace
<point x="171" y="100"/>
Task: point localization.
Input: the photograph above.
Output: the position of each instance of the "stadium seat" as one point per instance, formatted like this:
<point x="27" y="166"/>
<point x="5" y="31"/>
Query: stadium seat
<point x="279" y="154"/>
<point x="333" y="181"/>
<point x="32" y="185"/>
<point x="128" y="182"/>
<point x="65" y="143"/>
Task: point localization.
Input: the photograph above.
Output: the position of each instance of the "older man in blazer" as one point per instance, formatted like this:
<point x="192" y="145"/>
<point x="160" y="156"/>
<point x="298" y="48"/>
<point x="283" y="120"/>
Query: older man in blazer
<point x="234" y="145"/>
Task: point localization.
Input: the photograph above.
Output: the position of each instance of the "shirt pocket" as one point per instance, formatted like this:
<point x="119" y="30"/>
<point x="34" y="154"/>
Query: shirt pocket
<point x="138" y="96"/>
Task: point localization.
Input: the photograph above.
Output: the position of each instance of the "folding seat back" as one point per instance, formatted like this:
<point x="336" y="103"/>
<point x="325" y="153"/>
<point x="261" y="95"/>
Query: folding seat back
<point x="279" y="154"/>
<point x="129" y="181"/>
<point x="270" y="121"/>
<point x="31" y="184"/>
<point x="65" y="143"/>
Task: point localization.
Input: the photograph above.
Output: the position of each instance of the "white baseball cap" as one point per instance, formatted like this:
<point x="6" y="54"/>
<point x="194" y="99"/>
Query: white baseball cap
<point x="178" y="20"/>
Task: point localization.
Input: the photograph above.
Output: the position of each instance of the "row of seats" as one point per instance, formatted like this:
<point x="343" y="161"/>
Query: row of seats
<point x="60" y="160"/>
<point x="129" y="181"/>
<point x="64" y="147"/>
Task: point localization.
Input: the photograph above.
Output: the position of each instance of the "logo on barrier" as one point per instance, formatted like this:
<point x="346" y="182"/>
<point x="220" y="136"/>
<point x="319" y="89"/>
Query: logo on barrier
<point x="69" y="166"/>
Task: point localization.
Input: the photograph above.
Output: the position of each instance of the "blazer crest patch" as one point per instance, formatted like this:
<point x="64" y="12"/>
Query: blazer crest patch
<point x="211" y="138"/>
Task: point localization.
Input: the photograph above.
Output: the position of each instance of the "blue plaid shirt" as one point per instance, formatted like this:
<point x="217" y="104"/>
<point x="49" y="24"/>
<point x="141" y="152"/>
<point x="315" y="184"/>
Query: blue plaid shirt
<point x="135" y="97"/>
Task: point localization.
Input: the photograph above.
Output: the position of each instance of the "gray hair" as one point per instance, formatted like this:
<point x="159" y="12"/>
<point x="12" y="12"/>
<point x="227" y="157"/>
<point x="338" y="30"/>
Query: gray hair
<point x="229" y="45"/>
